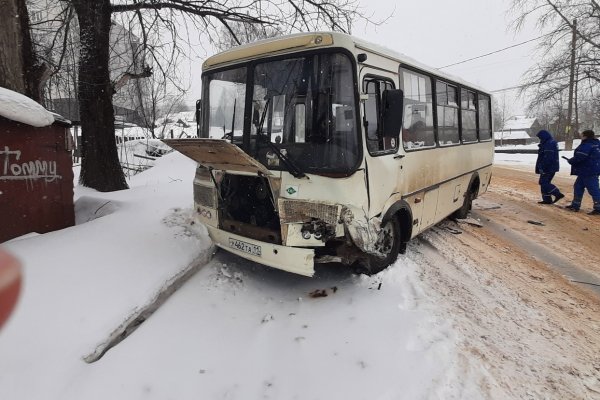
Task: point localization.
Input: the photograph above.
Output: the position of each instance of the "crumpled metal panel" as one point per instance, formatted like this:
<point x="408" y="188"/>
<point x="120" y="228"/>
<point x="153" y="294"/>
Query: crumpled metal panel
<point x="295" y="211"/>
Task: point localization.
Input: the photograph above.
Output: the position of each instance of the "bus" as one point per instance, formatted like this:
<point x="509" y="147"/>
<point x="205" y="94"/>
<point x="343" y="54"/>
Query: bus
<point x="324" y="148"/>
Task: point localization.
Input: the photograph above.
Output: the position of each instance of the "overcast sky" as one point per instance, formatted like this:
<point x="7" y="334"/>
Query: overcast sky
<point x="439" y="33"/>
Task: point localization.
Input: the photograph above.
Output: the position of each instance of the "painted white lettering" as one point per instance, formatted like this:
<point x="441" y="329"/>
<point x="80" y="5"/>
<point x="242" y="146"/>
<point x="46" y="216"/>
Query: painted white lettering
<point x="40" y="167"/>
<point x="7" y="152"/>
<point x="31" y="170"/>
<point x="52" y="174"/>
<point x="16" y="169"/>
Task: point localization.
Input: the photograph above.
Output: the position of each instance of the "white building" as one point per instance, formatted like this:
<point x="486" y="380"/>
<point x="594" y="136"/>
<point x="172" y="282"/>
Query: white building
<point x="518" y="130"/>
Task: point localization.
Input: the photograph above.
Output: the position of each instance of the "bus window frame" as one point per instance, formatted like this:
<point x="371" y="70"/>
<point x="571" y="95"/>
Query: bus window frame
<point x="489" y="99"/>
<point x="457" y="107"/>
<point x="476" y="110"/>
<point x="435" y="78"/>
<point x="378" y="153"/>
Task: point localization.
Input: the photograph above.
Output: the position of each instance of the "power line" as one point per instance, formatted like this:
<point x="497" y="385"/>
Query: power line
<point x="507" y="89"/>
<point x="493" y="52"/>
<point x="529" y="84"/>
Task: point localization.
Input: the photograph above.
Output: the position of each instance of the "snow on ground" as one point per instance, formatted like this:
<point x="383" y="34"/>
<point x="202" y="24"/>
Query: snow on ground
<point x="233" y="331"/>
<point x="528" y="160"/>
<point x="81" y="283"/>
<point x="236" y="330"/>
<point x="140" y="154"/>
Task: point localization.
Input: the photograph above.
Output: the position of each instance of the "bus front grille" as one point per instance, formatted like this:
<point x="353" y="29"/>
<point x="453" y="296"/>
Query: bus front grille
<point x="294" y="211"/>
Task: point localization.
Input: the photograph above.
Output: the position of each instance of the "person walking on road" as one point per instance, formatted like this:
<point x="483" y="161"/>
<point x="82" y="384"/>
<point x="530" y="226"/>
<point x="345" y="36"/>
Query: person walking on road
<point x="547" y="166"/>
<point x="585" y="164"/>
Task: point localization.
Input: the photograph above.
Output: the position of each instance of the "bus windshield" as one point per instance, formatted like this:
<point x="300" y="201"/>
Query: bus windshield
<point x="304" y="105"/>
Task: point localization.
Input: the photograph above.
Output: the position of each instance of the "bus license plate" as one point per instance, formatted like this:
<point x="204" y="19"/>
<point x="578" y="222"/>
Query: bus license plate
<point x="245" y="247"/>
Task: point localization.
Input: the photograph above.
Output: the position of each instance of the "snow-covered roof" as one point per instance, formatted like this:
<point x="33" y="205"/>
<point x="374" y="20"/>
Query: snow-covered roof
<point x="20" y="108"/>
<point x="507" y="135"/>
<point x="519" y="123"/>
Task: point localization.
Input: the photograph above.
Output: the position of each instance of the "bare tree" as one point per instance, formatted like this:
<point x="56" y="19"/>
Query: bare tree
<point x="100" y="166"/>
<point x="548" y="81"/>
<point x="19" y="67"/>
<point x="241" y="33"/>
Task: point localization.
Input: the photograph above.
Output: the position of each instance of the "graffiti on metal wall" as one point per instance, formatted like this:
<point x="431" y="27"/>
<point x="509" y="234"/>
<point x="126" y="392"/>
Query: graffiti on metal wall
<point x="12" y="169"/>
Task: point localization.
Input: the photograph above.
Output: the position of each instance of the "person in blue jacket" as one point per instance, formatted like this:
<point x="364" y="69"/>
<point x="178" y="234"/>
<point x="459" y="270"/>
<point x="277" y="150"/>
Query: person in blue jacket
<point x="547" y="166"/>
<point x="585" y="164"/>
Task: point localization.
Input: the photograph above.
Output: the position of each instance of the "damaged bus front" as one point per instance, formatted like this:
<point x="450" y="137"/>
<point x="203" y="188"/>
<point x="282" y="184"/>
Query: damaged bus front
<point x="281" y="176"/>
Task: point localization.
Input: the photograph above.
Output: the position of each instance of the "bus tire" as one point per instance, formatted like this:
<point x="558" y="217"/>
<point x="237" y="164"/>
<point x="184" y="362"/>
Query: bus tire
<point x="463" y="211"/>
<point x="389" y="243"/>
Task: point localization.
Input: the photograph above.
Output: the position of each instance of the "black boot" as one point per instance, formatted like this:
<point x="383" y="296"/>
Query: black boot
<point x="546" y="199"/>
<point x="558" y="197"/>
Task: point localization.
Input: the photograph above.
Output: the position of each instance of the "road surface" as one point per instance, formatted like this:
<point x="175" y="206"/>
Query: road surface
<point x="524" y="295"/>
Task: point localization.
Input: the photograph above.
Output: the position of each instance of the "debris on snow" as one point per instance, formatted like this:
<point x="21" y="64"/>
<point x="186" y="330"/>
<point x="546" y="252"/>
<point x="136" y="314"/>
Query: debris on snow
<point x="318" y="293"/>
<point x="539" y="223"/>
<point x="470" y="221"/>
<point x="453" y="230"/>
<point x="267" y="318"/>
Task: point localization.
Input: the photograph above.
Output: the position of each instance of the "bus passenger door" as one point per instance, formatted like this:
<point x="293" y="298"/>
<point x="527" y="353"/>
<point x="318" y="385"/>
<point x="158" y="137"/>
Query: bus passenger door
<point x="383" y="169"/>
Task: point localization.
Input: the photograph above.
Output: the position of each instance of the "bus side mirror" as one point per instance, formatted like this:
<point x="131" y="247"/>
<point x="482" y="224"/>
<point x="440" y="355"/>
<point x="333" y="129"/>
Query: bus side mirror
<point x="198" y="116"/>
<point x="392" y="108"/>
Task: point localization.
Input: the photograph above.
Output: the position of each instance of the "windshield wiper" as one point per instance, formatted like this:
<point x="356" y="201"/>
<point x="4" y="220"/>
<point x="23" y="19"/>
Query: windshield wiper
<point x="291" y="166"/>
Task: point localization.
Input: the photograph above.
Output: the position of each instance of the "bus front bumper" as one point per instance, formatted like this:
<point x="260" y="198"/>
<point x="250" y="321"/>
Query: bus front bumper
<point x="291" y="259"/>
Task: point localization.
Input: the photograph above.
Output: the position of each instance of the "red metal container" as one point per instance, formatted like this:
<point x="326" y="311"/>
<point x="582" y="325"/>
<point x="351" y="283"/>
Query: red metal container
<point x="36" y="178"/>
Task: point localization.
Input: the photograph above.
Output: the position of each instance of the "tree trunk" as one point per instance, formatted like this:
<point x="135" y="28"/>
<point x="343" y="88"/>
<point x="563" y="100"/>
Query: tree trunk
<point x="100" y="167"/>
<point x="19" y="70"/>
<point x="11" y="62"/>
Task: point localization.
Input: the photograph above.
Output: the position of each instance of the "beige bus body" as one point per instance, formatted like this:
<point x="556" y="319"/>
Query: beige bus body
<point x="418" y="188"/>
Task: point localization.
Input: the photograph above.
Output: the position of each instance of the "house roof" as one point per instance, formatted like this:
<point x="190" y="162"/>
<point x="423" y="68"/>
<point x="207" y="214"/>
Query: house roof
<point x="511" y="135"/>
<point x="519" y="123"/>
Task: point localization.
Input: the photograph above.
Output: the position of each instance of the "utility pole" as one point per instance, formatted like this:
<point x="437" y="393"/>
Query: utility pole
<point x="568" y="133"/>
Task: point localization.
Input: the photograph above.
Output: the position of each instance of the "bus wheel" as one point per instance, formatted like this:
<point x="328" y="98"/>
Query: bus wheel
<point x="463" y="211"/>
<point x="389" y="242"/>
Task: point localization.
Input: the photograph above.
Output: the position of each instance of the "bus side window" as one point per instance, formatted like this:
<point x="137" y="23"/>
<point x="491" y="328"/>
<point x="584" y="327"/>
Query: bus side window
<point x="468" y="114"/>
<point x="447" y="114"/>
<point x="370" y="120"/>
<point x="418" y="128"/>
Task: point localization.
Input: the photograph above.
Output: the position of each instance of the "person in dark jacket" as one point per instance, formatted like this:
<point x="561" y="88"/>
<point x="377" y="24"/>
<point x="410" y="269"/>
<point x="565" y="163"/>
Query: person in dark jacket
<point x="547" y="166"/>
<point x="585" y="164"/>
